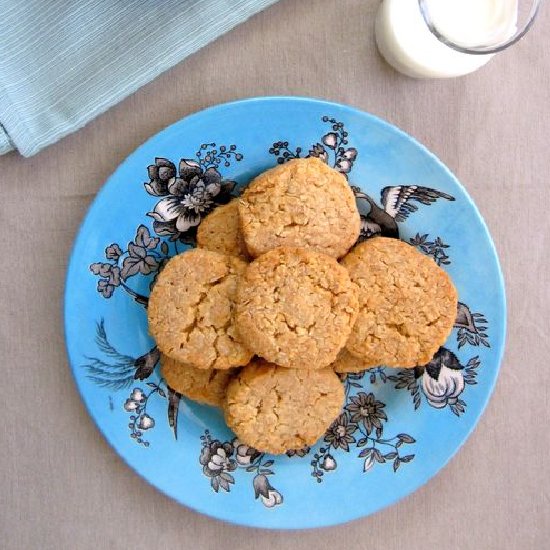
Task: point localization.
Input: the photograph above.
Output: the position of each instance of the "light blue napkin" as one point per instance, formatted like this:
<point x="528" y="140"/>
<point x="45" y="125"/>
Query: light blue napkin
<point x="63" y="62"/>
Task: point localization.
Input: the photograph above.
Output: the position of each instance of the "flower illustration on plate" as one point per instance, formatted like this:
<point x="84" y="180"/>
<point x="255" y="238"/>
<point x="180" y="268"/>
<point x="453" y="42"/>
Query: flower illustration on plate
<point x="188" y="196"/>
<point x="328" y="463"/>
<point x="339" y="434"/>
<point x="140" y="420"/>
<point x="130" y="405"/>
<point x="445" y="390"/>
<point x="135" y="400"/>
<point x="365" y="409"/>
<point x="317" y="150"/>
<point x="217" y="462"/>
<point x="219" y="458"/>
<point x="160" y="174"/>
<point x="244" y="455"/>
<point x="443" y="381"/>
<point x="266" y="492"/>
<point x="146" y="422"/>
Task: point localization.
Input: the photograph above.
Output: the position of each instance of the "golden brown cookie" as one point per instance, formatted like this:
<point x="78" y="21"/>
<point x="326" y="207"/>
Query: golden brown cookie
<point x="346" y="362"/>
<point x="191" y="310"/>
<point x="274" y="409"/>
<point x="202" y="385"/>
<point x="296" y="307"/>
<point x="303" y="202"/>
<point x="220" y="231"/>
<point x="407" y="304"/>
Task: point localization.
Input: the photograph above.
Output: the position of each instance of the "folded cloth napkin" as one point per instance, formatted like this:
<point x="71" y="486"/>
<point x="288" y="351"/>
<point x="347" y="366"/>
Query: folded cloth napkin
<point x="63" y="62"/>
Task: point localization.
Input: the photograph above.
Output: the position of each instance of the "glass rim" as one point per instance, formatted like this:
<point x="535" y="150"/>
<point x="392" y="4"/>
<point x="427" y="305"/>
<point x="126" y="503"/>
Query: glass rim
<point x="481" y="49"/>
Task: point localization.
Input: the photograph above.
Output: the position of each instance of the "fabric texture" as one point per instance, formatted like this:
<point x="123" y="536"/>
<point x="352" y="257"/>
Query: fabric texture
<point x="63" y="62"/>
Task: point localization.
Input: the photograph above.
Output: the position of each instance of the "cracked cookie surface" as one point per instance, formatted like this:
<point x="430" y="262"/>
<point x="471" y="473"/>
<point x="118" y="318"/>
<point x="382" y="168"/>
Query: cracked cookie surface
<point x="296" y="307"/>
<point x="303" y="202"/>
<point x="202" y="385"/>
<point x="274" y="409"/>
<point x="220" y="231"/>
<point x="407" y="304"/>
<point x="191" y="309"/>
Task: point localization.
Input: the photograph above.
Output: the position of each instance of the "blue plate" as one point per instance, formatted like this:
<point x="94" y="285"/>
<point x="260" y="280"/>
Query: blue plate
<point x="398" y="427"/>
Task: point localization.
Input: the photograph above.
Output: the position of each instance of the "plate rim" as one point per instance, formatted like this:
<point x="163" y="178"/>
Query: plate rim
<point x="499" y="353"/>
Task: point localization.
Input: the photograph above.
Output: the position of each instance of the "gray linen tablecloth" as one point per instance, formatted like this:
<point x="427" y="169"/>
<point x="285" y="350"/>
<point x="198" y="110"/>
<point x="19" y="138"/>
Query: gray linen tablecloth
<point x="62" y="487"/>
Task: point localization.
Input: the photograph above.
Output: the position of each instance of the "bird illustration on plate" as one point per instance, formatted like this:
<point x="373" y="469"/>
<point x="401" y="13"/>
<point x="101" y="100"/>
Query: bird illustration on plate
<point x="398" y="202"/>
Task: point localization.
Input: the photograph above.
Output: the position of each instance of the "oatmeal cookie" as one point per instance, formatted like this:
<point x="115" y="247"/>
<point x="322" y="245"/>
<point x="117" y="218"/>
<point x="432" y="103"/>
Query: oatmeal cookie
<point x="296" y="307"/>
<point x="303" y="202"/>
<point x="346" y="362"/>
<point x="220" y="231"/>
<point x="202" y="385"/>
<point x="274" y="409"/>
<point x="407" y="304"/>
<point x="191" y="310"/>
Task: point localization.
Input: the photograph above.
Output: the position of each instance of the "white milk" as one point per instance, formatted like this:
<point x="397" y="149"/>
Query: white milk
<point x="405" y="41"/>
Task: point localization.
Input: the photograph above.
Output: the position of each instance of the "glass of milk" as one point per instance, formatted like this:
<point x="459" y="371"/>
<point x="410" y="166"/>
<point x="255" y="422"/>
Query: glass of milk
<point x="446" y="38"/>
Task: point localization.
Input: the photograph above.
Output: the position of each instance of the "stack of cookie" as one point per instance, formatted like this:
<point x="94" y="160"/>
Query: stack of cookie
<point x="261" y="317"/>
